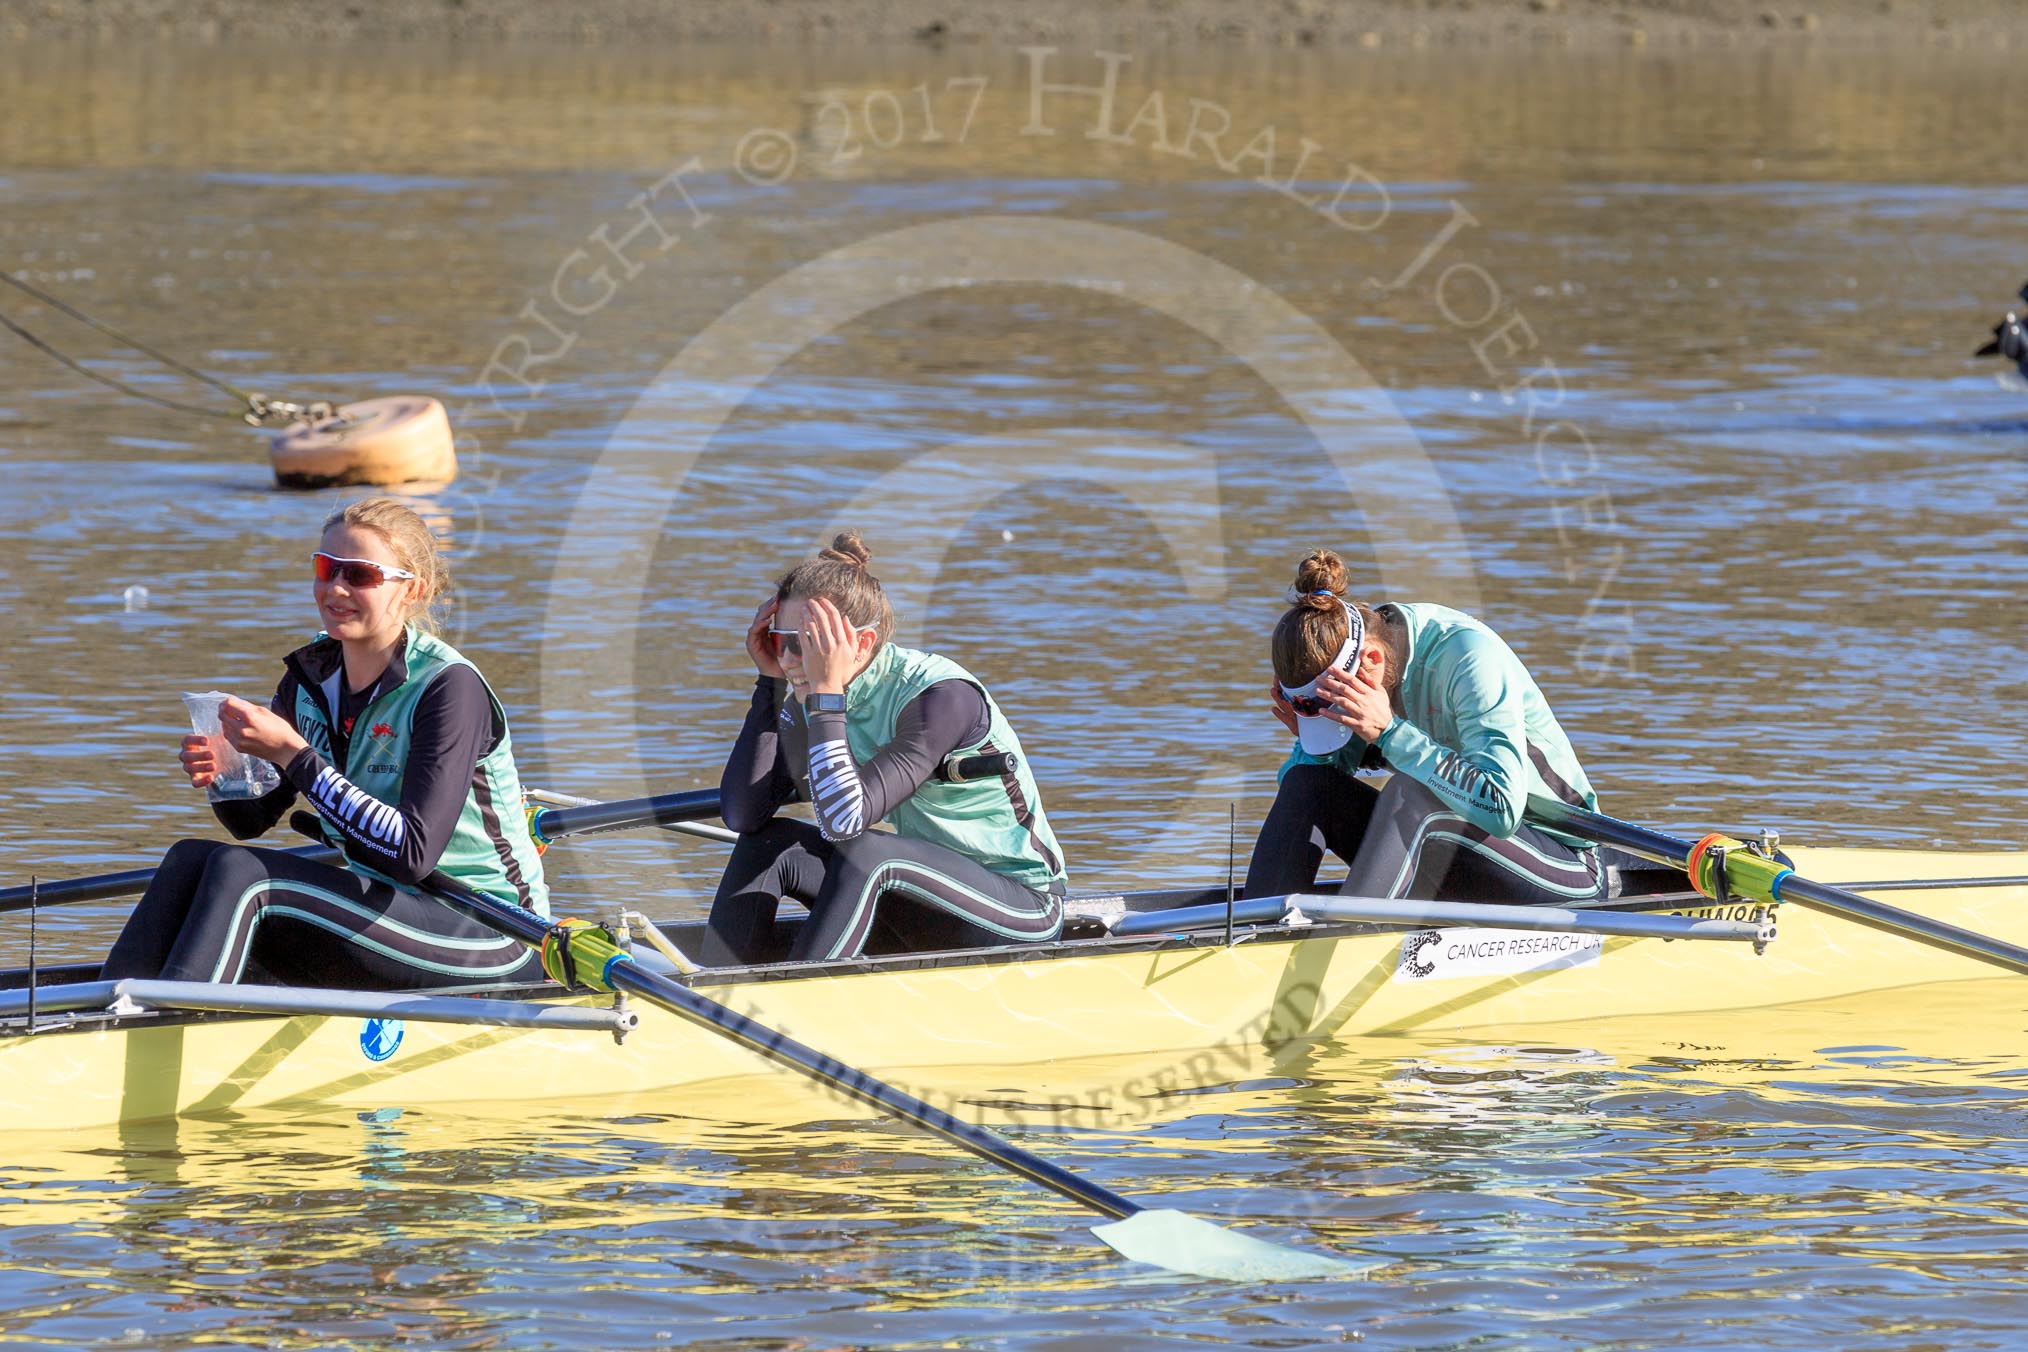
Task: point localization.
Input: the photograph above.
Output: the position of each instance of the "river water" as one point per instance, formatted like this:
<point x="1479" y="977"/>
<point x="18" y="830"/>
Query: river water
<point x="1661" y="365"/>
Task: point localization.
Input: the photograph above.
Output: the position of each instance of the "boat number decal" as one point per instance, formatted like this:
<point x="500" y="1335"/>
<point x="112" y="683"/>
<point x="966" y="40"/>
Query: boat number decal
<point x="1749" y="912"/>
<point x="1433" y="955"/>
<point x="379" y="1038"/>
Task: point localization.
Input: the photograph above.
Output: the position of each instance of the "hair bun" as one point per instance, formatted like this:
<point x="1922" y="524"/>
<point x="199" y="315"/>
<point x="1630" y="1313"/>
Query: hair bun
<point x="1322" y="572"/>
<point x="847" y="547"/>
<point x="840" y="575"/>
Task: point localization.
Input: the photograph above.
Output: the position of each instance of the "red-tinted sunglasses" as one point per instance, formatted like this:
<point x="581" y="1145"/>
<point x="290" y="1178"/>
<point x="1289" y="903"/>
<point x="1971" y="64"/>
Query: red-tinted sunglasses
<point x="1309" y="706"/>
<point x="358" y="574"/>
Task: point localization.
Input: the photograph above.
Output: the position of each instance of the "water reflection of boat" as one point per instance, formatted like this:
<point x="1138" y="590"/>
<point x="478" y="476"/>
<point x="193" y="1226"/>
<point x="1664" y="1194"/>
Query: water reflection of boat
<point x="1187" y="1005"/>
<point x="712" y="1160"/>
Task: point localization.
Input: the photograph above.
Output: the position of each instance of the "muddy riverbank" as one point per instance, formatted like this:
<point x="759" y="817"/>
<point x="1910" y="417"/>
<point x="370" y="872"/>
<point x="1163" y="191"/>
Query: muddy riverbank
<point x="1323" y="23"/>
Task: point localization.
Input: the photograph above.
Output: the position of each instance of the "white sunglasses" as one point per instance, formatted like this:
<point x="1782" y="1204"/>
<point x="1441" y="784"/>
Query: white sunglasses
<point x="358" y="574"/>
<point x="790" y="641"/>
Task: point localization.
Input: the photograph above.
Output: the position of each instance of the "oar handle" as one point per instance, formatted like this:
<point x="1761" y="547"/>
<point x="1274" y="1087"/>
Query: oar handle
<point x="985" y="765"/>
<point x="105" y="887"/>
<point x="115" y="886"/>
<point x="554" y="823"/>
<point x="1653" y="846"/>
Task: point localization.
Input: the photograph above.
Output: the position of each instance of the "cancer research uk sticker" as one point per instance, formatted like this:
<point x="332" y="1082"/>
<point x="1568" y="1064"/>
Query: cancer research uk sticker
<point x="379" y="1038"/>
<point x="1434" y="955"/>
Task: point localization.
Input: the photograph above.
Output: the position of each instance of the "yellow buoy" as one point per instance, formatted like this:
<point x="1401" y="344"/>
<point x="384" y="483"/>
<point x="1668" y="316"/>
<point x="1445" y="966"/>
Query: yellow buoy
<point x="397" y="440"/>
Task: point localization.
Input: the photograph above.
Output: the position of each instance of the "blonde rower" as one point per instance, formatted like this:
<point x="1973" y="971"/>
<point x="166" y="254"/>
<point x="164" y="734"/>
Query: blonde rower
<point x="398" y="743"/>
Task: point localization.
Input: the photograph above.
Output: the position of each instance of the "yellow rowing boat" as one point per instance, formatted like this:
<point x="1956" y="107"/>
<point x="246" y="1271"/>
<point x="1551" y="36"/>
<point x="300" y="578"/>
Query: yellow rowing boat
<point x="1175" y="1006"/>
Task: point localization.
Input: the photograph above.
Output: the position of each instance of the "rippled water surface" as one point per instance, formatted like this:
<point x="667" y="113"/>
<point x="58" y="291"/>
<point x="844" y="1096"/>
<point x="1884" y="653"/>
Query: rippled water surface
<point x="1660" y="365"/>
<point x="1619" y="1188"/>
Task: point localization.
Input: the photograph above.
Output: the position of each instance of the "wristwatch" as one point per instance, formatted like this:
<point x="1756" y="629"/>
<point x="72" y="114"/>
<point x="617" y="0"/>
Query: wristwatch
<point x="819" y="702"/>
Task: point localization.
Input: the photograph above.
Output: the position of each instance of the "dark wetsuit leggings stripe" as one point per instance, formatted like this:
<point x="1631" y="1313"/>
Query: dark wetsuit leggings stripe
<point x="875" y="890"/>
<point x="219" y="912"/>
<point x="1403" y="841"/>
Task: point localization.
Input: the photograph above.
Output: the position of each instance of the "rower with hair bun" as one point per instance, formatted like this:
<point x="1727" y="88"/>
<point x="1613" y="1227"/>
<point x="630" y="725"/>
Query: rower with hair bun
<point x="868" y="731"/>
<point x="1441" y="700"/>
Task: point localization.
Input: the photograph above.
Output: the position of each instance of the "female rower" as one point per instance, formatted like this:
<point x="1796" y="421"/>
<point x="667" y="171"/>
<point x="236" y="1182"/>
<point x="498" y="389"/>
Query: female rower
<point x="867" y="731"/>
<point x="398" y="743"/>
<point x="1439" y="699"/>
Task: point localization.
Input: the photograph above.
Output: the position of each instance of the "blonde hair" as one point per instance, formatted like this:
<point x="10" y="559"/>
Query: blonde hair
<point x="839" y="575"/>
<point x="414" y="548"/>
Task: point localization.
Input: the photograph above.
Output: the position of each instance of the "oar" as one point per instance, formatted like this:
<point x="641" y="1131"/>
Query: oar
<point x="582" y="953"/>
<point x="671" y="810"/>
<point x="113" y="886"/>
<point x="700" y="830"/>
<point x="1755" y="877"/>
<point x="664" y="809"/>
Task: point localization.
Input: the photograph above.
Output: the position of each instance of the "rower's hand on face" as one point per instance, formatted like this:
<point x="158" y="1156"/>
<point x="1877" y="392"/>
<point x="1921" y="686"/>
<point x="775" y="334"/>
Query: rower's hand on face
<point x="200" y="760"/>
<point x="1284" y="712"/>
<point x="830" y="647"/>
<point x="259" y="731"/>
<point x="760" y="644"/>
<point x="1357" y="702"/>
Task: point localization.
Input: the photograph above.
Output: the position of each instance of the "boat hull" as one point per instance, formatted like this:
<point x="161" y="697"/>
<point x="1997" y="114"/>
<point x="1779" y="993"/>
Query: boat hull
<point x="1195" y="1010"/>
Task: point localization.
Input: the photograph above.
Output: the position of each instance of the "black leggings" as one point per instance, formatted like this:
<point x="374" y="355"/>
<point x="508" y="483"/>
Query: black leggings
<point x="905" y="894"/>
<point x="219" y="912"/>
<point x="1403" y="841"/>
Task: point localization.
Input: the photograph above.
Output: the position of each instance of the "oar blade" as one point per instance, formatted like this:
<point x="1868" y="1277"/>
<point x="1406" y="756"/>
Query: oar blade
<point x="1166" y="1239"/>
<point x="1180" y="1242"/>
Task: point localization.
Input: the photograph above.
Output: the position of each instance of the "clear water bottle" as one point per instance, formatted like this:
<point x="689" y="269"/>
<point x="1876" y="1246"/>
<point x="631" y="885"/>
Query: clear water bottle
<point x="239" y="776"/>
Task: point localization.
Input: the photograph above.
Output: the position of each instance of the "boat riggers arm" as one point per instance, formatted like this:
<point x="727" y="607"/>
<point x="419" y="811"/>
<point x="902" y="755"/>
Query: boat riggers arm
<point x="1169" y="1239"/>
<point x="1721" y="866"/>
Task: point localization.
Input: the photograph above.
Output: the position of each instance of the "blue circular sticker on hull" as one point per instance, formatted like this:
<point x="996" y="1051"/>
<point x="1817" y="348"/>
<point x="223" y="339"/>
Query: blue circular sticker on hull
<point x="379" y="1038"/>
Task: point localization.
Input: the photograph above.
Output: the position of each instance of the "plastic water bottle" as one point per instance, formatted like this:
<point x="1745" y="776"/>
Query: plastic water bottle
<point x="239" y="776"/>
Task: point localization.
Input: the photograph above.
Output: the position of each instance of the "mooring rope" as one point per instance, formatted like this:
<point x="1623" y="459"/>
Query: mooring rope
<point x="108" y="381"/>
<point x="258" y="409"/>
